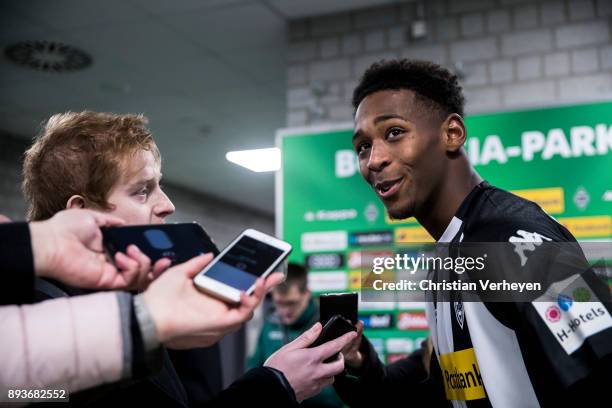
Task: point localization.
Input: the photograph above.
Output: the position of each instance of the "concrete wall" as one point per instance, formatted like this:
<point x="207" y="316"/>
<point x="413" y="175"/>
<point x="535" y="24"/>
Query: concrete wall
<point x="514" y="53"/>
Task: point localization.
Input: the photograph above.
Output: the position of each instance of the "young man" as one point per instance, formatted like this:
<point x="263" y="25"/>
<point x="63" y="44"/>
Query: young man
<point x="111" y="163"/>
<point x="294" y="312"/>
<point x="409" y="136"/>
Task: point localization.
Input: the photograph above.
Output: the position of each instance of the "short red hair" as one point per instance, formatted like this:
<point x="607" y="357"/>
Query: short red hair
<point x="81" y="153"/>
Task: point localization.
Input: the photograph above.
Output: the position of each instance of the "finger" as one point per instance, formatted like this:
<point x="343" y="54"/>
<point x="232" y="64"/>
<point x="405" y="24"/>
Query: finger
<point x="273" y="280"/>
<point x="128" y="268"/>
<point x="259" y="292"/>
<point x="359" y="326"/>
<point x="4" y="219"/>
<point x="195" y="265"/>
<point x="334" y="346"/>
<point x="307" y="338"/>
<point x="143" y="260"/>
<point x="160" y="266"/>
<point x="144" y="265"/>
<point x="246" y="308"/>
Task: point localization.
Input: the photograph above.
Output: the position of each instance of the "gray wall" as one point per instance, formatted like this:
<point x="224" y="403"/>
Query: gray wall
<point x="222" y="221"/>
<point x="515" y="53"/>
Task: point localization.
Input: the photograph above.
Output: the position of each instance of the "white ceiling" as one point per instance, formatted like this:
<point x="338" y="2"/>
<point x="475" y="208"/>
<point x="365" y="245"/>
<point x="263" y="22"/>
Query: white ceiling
<point x="209" y="74"/>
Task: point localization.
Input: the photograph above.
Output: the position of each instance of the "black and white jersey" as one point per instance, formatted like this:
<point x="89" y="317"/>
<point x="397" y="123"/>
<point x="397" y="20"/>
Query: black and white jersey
<point x="517" y="354"/>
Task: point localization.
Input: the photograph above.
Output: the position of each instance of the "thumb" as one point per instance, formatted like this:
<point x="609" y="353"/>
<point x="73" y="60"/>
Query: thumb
<point x="307" y="338"/>
<point x="195" y="265"/>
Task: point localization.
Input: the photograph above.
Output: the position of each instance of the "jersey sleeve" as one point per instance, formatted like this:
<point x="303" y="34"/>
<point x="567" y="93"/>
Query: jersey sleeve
<point x="569" y="322"/>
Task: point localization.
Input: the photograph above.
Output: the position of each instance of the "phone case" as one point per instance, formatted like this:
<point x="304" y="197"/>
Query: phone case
<point x="334" y="328"/>
<point x="343" y="304"/>
<point x="179" y="242"/>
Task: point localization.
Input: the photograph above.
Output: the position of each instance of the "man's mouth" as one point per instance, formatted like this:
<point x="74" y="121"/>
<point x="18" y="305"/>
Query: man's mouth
<point x="387" y="188"/>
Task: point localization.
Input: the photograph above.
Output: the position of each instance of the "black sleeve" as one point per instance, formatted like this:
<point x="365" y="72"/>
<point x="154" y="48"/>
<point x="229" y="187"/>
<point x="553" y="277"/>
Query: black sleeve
<point x="567" y="326"/>
<point x="17" y="264"/>
<point x="375" y="384"/>
<point x="262" y="385"/>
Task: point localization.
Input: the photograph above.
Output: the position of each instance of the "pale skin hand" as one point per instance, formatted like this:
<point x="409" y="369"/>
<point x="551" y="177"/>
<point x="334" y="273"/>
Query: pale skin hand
<point x="187" y="318"/>
<point x="68" y="248"/>
<point x="352" y="355"/>
<point x="304" y="367"/>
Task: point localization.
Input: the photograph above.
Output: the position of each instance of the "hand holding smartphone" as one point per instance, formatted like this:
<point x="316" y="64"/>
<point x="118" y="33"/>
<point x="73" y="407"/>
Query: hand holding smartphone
<point x="334" y="328"/>
<point x="251" y="255"/>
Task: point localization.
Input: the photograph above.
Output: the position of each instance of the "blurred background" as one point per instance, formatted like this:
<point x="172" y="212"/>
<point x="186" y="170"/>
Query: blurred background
<point x="216" y="76"/>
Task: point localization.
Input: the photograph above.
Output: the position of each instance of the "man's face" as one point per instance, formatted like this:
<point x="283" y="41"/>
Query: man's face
<point x="138" y="198"/>
<point x="292" y="304"/>
<point x="400" y="150"/>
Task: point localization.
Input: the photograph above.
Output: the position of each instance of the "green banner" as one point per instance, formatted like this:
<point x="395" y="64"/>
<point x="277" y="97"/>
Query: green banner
<point x="560" y="158"/>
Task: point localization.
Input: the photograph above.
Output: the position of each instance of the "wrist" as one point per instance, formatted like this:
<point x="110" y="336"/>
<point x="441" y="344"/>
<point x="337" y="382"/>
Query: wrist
<point x="42" y="249"/>
<point x="157" y="314"/>
<point x="146" y="323"/>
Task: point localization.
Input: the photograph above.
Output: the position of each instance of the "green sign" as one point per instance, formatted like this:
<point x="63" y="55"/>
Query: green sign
<point x="560" y="158"/>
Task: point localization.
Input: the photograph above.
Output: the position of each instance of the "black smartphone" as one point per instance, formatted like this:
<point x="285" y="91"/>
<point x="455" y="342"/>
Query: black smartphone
<point x="179" y="242"/>
<point x="335" y="327"/>
<point x="343" y="304"/>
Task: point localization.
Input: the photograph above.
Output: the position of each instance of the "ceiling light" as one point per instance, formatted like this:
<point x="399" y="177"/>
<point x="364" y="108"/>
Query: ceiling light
<point x="258" y="160"/>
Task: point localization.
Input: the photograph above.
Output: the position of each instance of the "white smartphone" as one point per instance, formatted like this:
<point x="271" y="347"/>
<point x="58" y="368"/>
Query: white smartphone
<point x="251" y="255"/>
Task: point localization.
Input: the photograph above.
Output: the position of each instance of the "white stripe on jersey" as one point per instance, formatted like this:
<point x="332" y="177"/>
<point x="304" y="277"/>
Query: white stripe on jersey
<point x="496" y="347"/>
<point x="499" y="358"/>
<point x="442" y="336"/>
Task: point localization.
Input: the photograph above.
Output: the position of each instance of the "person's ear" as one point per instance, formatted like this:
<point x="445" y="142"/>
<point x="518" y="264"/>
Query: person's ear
<point x="76" y="201"/>
<point x="454" y="133"/>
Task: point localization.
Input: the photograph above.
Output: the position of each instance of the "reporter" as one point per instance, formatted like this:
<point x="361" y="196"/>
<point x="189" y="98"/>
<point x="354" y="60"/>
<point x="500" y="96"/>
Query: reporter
<point x="66" y="248"/>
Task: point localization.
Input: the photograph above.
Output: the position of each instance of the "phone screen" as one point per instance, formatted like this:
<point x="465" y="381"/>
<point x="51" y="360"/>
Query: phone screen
<point x="245" y="261"/>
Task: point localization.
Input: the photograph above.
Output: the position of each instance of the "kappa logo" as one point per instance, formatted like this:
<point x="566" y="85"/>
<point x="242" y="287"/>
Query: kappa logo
<point x="459" y="313"/>
<point x="526" y="241"/>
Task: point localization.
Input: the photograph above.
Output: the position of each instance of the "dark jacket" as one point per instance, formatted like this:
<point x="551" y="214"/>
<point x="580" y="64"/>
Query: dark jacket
<point x="376" y="384"/>
<point x="165" y="388"/>
<point x="17" y="264"/>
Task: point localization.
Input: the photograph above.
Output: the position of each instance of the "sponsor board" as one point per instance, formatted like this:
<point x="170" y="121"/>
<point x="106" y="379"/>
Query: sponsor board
<point x="599" y="226"/>
<point x="373" y="238"/>
<point x="324" y="241"/>
<point x="551" y="199"/>
<point x="413" y="320"/>
<point x="377" y="321"/>
<point x="324" y="261"/>
<point x="327" y="281"/>
<point x="412" y="235"/>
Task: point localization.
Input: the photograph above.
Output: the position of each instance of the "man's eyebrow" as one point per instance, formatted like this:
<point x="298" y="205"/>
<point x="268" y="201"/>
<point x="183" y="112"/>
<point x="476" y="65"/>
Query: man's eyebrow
<point x="379" y="119"/>
<point x="382" y="118"/>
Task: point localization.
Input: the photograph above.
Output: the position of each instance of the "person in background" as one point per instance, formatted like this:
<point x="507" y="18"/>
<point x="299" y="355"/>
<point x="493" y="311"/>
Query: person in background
<point x="295" y="311"/>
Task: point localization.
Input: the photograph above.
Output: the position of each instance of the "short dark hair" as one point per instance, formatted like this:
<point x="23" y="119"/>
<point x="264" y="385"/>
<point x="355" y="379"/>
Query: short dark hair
<point x="436" y="86"/>
<point x="296" y="275"/>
